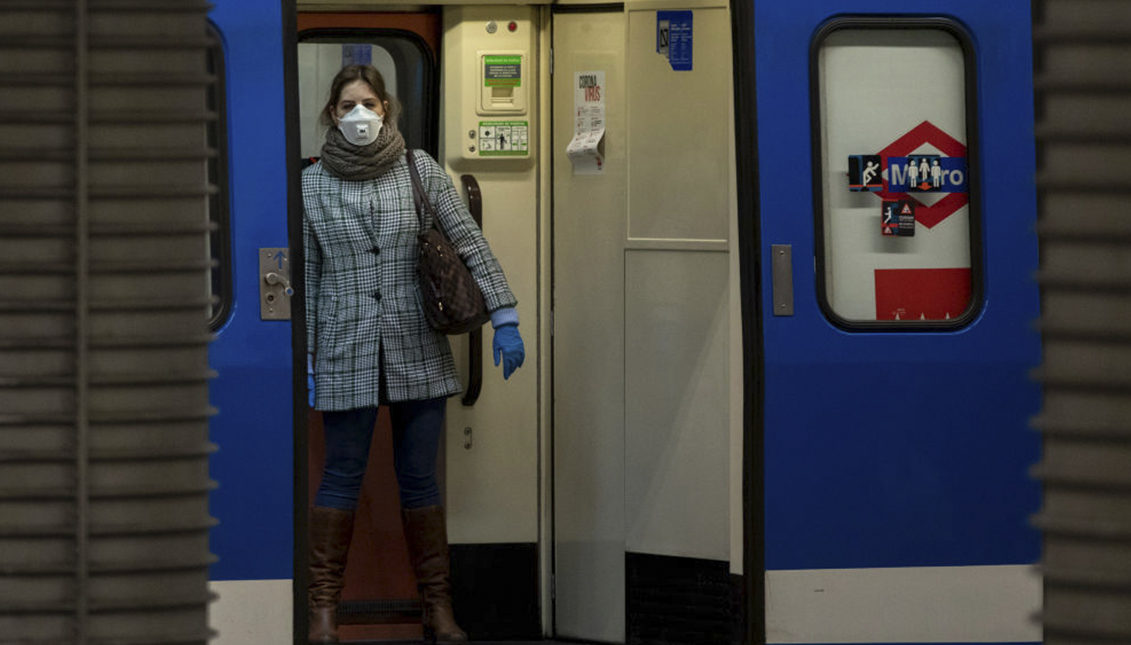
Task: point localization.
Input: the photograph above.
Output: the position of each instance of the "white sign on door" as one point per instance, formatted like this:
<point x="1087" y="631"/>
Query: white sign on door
<point x="589" y="123"/>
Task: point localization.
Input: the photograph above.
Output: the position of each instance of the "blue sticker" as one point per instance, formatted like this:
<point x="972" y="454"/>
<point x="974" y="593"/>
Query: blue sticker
<point x="927" y="174"/>
<point x="357" y="54"/>
<point x="673" y="38"/>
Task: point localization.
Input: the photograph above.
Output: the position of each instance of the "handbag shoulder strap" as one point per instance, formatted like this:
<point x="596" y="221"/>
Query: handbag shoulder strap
<point x="419" y="195"/>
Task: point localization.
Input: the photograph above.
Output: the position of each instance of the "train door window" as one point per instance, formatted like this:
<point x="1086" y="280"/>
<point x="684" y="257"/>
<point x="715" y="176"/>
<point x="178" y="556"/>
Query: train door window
<point x="894" y="174"/>
<point x="403" y="60"/>
<point x="219" y="235"/>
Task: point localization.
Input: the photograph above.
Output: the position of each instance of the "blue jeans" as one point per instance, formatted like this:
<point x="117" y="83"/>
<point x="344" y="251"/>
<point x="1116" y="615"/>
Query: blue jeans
<point x="416" y="443"/>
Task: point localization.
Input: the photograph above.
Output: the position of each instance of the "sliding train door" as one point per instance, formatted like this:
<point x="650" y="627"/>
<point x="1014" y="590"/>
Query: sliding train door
<point x="251" y="354"/>
<point x="264" y="488"/>
<point x="589" y="233"/>
<point x="646" y="361"/>
<point x="491" y="94"/>
<point x="895" y="170"/>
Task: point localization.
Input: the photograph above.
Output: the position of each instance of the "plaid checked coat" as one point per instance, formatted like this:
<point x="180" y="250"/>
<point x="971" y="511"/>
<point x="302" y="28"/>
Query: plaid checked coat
<point x="363" y="314"/>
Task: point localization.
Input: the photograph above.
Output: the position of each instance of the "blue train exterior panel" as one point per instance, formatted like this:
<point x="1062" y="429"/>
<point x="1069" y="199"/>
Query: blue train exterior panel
<point x="901" y="448"/>
<point x="254" y="429"/>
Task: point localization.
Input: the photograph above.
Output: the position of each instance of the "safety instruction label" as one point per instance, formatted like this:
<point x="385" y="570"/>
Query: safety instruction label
<point x="504" y="138"/>
<point x="864" y="173"/>
<point x="502" y="71"/>
<point x="674" y="38"/>
<point x="897" y="218"/>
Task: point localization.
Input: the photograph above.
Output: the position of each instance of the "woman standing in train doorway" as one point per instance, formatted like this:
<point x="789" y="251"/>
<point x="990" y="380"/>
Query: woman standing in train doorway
<point x="370" y="342"/>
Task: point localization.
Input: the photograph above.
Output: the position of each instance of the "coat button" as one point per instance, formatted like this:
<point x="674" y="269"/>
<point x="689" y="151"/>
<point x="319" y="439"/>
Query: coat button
<point x="376" y="250"/>
<point x="377" y="295"/>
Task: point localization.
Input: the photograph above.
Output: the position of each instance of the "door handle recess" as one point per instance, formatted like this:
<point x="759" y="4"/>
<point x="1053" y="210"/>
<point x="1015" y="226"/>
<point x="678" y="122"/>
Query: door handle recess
<point x="781" y="268"/>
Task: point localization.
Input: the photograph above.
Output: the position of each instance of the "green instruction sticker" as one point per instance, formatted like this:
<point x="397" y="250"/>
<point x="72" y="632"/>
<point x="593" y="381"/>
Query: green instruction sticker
<point x="504" y="138"/>
<point x="502" y="71"/>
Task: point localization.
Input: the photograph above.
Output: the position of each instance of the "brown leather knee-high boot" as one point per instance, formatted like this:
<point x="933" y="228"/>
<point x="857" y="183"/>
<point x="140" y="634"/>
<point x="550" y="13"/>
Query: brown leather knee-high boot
<point x="330" y="533"/>
<point x="427" y="539"/>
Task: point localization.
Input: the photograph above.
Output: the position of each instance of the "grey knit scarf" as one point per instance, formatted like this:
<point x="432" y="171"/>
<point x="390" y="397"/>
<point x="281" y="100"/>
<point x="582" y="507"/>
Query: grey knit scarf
<point x="355" y="163"/>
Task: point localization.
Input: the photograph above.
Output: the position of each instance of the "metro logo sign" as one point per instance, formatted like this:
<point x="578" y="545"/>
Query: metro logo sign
<point x="895" y="161"/>
<point x="927" y="174"/>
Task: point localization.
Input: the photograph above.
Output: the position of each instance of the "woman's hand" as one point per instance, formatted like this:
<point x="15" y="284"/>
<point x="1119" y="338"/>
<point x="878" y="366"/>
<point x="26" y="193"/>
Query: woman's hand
<point x="508" y="346"/>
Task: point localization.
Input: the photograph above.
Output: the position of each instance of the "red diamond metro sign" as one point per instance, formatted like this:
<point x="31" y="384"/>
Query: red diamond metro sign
<point x="926" y="133"/>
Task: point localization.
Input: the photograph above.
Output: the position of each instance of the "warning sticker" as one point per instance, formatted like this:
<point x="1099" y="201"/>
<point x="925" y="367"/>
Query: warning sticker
<point x="864" y="173"/>
<point x="504" y="138"/>
<point x="502" y="71"/>
<point x="898" y="217"/>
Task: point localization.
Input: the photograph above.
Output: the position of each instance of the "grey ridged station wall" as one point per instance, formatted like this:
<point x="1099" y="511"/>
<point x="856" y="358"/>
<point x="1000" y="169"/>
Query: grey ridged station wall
<point x="1083" y="83"/>
<point x="104" y="303"/>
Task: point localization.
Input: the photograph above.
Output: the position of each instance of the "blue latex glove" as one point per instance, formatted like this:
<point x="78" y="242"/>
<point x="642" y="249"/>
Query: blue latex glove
<point x="310" y="378"/>
<point x="508" y="346"/>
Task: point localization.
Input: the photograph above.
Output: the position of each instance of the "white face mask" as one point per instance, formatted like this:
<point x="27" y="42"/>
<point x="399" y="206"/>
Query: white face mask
<point x="360" y="126"/>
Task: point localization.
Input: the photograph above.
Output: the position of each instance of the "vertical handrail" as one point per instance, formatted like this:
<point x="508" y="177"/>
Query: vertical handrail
<point x="475" y="337"/>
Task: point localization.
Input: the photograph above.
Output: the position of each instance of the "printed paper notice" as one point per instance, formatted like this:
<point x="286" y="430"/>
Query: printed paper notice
<point x="589" y="124"/>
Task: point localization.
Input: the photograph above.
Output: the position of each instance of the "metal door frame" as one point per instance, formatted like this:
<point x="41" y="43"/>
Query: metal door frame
<point x="750" y="271"/>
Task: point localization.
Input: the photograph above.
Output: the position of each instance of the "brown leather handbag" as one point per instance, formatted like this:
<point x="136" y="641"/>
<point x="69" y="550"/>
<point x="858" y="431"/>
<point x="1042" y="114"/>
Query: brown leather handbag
<point x="452" y="300"/>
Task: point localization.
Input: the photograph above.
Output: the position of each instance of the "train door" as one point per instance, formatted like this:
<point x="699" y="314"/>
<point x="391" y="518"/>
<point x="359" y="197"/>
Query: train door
<point x="493" y="522"/>
<point x="646" y="363"/>
<point x="489" y="466"/>
<point x="589" y="296"/>
<point x="403" y="47"/>
<point x="254" y="426"/>
<point x="899" y="304"/>
<point x="492" y="93"/>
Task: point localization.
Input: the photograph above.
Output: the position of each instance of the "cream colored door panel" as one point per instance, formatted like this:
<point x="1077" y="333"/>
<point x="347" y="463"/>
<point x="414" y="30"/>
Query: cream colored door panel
<point x="679" y="423"/>
<point x="679" y="128"/>
<point x="491" y="486"/>
<point x="589" y="232"/>
<point x="677" y="312"/>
